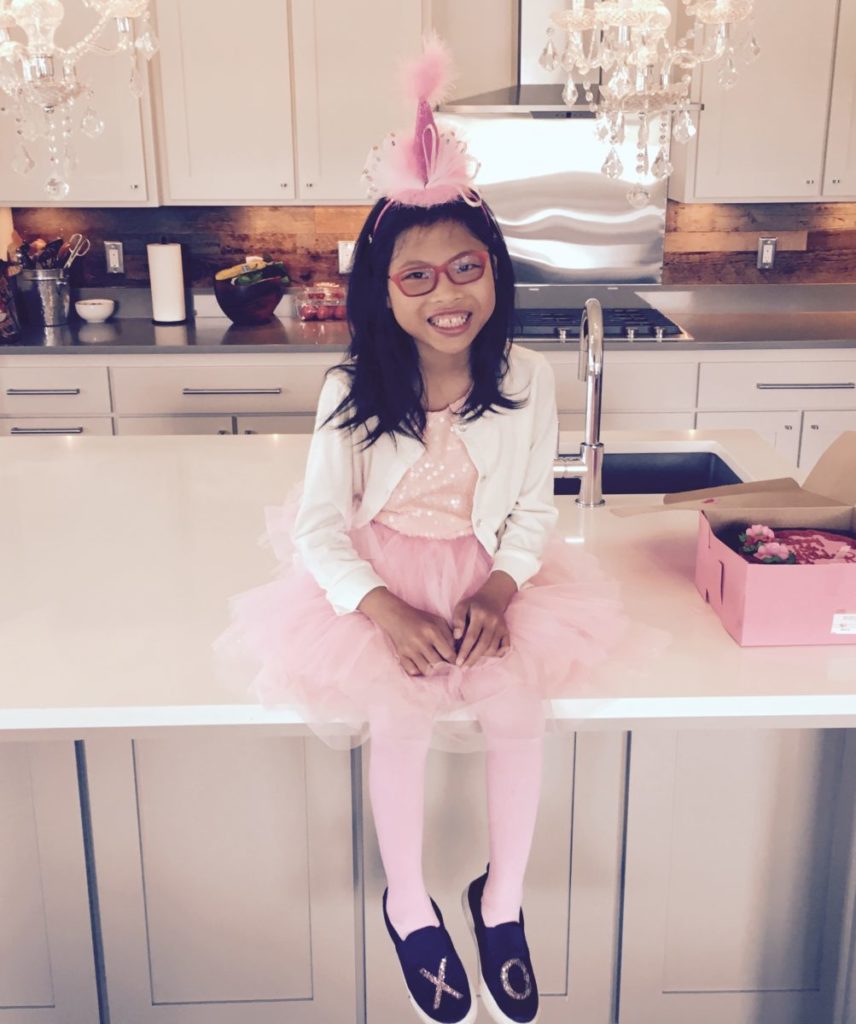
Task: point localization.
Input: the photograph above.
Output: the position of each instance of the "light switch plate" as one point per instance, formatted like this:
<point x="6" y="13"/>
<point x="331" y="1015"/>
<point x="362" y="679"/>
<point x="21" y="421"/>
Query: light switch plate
<point x="115" y="255"/>
<point x="766" y="253"/>
<point x="346" y="256"/>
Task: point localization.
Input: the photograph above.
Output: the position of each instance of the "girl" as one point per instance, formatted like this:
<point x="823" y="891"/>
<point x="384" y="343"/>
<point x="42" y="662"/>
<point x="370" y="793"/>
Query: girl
<point x="425" y="579"/>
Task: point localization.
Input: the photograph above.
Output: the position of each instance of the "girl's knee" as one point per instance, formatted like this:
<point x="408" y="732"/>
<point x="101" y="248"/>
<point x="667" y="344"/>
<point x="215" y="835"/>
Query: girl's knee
<point x="513" y="715"/>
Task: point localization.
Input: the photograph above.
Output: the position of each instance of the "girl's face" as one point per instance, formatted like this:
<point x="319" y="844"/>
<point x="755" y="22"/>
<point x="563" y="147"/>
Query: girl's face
<point x="447" y="320"/>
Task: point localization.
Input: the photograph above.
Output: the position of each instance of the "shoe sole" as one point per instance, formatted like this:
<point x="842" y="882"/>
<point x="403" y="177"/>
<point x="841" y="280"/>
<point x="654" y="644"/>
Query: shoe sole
<point x="490" y="1003"/>
<point x="420" y="1013"/>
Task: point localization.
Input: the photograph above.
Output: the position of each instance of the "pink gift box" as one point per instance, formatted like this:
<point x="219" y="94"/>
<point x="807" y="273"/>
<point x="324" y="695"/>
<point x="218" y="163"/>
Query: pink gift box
<point x="765" y="605"/>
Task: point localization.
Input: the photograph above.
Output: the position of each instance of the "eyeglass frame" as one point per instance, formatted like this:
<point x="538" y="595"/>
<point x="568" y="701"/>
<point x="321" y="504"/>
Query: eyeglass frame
<point x="442" y="268"/>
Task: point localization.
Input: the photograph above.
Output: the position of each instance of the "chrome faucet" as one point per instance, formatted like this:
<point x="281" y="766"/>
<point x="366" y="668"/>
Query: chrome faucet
<point x="588" y="465"/>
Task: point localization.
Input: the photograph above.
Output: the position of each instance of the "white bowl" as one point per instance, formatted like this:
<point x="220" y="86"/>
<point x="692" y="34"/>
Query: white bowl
<point x="95" y="311"/>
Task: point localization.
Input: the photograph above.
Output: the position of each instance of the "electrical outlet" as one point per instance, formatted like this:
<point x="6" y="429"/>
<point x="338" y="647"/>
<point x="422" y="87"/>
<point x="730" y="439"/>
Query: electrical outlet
<point x="346" y="256"/>
<point x="766" y="253"/>
<point x="115" y="254"/>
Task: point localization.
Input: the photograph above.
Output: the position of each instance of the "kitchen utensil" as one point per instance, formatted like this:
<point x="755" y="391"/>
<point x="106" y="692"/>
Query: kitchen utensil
<point x="80" y="246"/>
<point x="95" y="311"/>
<point x="45" y="297"/>
<point x="47" y="258"/>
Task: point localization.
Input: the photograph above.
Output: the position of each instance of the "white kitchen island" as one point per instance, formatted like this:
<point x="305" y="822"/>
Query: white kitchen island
<point x="694" y="855"/>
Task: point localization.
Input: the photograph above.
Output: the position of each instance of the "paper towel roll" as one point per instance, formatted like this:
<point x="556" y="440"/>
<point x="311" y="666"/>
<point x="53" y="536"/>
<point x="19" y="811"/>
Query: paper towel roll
<point x="167" y="283"/>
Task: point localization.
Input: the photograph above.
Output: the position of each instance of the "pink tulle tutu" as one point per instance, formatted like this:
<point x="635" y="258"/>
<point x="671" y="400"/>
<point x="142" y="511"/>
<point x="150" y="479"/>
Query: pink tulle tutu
<point x="289" y="647"/>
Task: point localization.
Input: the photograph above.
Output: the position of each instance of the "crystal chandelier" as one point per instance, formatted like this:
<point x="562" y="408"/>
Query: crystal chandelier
<point x="40" y="81"/>
<point x="643" y="75"/>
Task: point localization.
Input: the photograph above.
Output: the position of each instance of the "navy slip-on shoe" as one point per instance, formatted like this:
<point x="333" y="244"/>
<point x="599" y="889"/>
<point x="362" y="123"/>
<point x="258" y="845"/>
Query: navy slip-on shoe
<point x="436" y="981"/>
<point x="506" y="978"/>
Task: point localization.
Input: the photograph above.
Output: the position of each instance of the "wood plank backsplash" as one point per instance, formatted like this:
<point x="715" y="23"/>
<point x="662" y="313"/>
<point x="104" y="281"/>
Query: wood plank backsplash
<point x="705" y="244"/>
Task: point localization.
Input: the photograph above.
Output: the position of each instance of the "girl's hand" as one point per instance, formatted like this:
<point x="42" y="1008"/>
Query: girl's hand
<point x="421" y="640"/>
<point x="479" y="623"/>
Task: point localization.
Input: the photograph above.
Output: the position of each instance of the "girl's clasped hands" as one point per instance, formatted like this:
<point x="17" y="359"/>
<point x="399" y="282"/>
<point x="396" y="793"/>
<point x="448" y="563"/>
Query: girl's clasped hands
<point x="423" y="641"/>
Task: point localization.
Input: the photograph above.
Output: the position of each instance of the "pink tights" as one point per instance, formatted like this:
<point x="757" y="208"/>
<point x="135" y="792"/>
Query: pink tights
<point x="513" y="724"/>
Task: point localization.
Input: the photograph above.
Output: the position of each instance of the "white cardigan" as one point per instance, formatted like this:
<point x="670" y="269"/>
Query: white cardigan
<point x="513" y="507"/>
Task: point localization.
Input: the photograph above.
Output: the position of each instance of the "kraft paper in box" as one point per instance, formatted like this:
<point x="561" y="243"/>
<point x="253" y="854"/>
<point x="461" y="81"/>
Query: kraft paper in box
<point x="167" y="283"/>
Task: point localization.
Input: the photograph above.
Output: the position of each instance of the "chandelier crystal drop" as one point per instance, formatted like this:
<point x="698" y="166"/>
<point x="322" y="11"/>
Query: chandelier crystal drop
<point x="643" y="73"/>
<point x="39" y="84"/>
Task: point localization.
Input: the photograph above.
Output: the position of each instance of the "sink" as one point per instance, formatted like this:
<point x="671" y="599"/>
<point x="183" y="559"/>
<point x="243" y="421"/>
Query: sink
<point x="656" y="473"/>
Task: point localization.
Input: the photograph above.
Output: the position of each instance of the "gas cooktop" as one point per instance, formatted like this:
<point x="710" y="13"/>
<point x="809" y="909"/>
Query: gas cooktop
<point x="639" y="324"/>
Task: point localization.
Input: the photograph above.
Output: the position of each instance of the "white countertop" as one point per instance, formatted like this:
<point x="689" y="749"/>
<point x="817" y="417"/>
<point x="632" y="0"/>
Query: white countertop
<point x="118" y="555"/>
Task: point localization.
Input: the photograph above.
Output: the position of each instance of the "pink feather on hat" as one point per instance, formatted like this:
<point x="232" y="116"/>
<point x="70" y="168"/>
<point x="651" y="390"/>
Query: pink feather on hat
<point x="429" y="167"/>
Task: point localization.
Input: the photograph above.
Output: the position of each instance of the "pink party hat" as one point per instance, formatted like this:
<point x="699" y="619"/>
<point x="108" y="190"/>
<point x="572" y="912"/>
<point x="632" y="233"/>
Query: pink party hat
<point x="431" y="166"/>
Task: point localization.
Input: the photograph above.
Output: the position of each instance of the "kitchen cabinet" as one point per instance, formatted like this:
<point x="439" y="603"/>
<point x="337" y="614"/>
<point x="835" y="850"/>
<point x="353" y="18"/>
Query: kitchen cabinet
<point x="174" y="425"/>
<point x="763" y="396"/>
<point x="245" y="138"/>
<point x="786" y="130"/>
<point x="346" y="70"/>
<point x="225" y="872"/>
<point x="68" y="426"/>
<point x="224" y="102"/>
<point x="840" y="170"/>
<point x="819" y="429"/>
<point x="47" y="971"/>
<point x="780" y="429"/>
<point x="652" y="391"/>
<point x="115" y="169"/>
<point x="737" y="897"/>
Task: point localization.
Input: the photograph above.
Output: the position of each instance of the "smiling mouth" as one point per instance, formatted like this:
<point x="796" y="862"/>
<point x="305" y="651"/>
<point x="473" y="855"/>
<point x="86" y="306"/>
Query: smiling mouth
<point x="450" y="321"/>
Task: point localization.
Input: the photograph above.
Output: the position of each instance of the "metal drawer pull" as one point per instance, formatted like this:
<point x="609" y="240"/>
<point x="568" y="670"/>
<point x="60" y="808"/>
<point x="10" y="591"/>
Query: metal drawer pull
<point x="46" y="430"/>
<point x="845" y="386"/>
<point x="16" y="392"/>
<point x="231" y="391"/>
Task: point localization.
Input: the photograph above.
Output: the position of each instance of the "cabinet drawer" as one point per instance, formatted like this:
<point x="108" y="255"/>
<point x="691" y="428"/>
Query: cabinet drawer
<point x="826" y="385"/>
<point x="212" y="389"/>
<point x="632" y="387"/>
<point x="64" y="426"/>
<point x="54" y="391"/>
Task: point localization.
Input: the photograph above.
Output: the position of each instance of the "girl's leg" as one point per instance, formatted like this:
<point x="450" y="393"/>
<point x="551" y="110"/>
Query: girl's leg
<point x="513" y="724"/>
<point x="397" y="759"/>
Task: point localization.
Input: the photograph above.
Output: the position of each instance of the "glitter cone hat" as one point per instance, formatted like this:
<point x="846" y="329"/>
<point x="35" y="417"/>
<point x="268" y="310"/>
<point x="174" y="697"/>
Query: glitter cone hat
<point x="430" y="166"/>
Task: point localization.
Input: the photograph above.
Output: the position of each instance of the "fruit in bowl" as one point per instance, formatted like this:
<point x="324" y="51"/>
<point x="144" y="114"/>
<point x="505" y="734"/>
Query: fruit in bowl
<point x="248" y="293"/>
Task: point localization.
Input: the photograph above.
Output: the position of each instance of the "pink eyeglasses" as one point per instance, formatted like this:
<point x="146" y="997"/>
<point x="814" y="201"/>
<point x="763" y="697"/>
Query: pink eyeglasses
<point x="421" y="279"/>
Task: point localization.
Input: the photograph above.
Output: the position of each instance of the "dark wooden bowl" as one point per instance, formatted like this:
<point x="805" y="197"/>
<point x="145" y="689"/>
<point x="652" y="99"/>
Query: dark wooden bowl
<point x="249" y="304"/>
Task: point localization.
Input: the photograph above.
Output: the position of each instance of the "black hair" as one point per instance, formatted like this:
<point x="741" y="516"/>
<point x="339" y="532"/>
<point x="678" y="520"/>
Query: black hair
<point x="385" y="382"/>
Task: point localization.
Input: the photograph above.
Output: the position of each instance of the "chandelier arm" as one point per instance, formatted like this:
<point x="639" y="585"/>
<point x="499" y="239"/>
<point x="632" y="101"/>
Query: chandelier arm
<point x="88" y="43"/>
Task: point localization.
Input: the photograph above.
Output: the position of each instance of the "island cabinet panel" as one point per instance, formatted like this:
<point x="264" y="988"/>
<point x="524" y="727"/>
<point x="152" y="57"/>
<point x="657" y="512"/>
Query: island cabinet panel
<point x="571" y="899"/>
<point x="737" y="895"/>
<point x="750" y="386"/>
<point x="296" y="424"/>
<point x="47" y="970"/>
<point x="820" y="428"/>
<point x="225" y="102"/>
<point x="780" y="429"/>
<point x="225" y="879"/>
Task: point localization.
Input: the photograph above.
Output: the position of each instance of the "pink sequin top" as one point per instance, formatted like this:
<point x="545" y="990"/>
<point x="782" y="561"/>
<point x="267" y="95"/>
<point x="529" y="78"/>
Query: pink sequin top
<point x="434" y="498"/>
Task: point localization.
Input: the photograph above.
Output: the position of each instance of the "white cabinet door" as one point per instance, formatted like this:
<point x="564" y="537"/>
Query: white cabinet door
<point x="840" y="171"/>
<point x="764" y="139"/>
<point x="112" y="168"/>
<point x="347" y="96"/>
<point x="735" y="901"/>
<point x="68" y="426"/>
<point x="780" y="429"/>
<point x="225" y="102"/>
<point x="47" y="970"/>
<point x="225" y="870"/>
<point x="819" y="430"/>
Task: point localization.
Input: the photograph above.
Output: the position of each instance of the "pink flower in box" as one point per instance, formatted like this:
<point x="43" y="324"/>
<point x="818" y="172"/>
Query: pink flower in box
<point x="774" y="552"/>
<point x="759" y="534"/>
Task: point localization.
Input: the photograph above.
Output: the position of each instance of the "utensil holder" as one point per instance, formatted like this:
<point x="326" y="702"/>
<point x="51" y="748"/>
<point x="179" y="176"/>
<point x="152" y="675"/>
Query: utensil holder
<point x="45" y="297"/>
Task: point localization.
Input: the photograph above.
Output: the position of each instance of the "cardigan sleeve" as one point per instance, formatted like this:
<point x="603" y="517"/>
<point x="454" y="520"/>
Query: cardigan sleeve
<point x="321" y="526"/>
<point x="527" y="526"/>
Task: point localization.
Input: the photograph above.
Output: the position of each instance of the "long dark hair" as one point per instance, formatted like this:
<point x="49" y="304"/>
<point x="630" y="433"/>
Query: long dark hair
<point x="385" y="382"/>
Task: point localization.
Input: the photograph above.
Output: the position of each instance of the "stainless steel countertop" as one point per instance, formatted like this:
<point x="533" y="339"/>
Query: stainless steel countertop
<point x="716" y="316"/>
